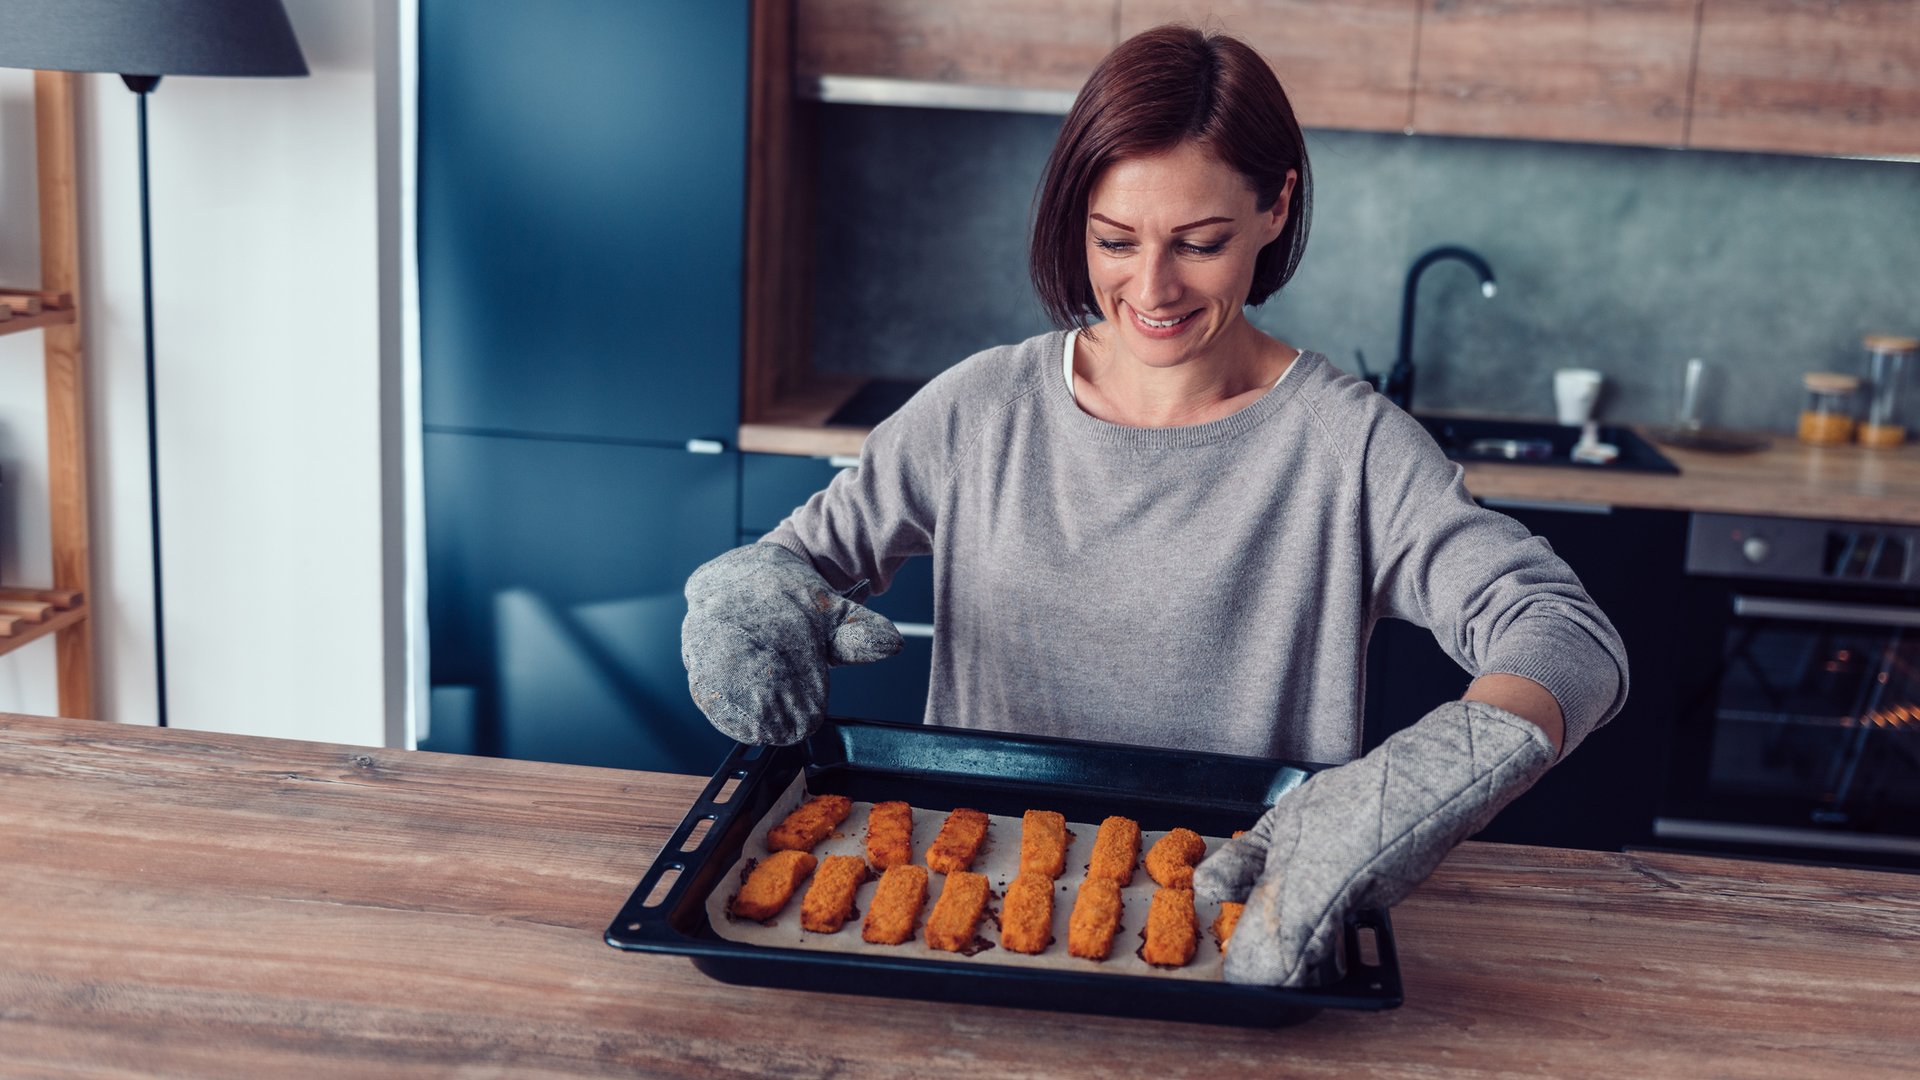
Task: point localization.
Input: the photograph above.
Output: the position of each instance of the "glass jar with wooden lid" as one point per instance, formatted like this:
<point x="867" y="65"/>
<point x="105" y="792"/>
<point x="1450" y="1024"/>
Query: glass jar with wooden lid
<point x="1827" y="417"/>
<point x="1890" y="363"/>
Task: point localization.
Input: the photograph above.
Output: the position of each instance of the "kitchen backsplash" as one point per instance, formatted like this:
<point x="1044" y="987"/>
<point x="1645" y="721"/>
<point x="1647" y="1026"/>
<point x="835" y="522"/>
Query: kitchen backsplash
<point x="1624" y="259"/>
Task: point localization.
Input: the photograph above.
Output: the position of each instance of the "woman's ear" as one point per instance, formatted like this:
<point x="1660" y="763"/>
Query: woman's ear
<point x="1276" y="217"/>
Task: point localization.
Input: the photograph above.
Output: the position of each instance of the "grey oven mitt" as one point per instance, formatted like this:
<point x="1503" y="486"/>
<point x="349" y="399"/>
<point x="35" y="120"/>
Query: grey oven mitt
<point x="762" y="627"/>
<point x="1364" y="834"/>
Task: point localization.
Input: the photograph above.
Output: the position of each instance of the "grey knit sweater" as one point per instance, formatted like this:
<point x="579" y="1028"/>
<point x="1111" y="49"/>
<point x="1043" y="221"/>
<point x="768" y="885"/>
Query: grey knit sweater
<point x="1209" y="587"/>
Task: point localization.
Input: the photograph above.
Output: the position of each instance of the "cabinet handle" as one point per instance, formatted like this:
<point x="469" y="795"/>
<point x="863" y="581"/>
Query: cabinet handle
<point x="706" y="446"/>
<point x="844" y="461"/>
<point x="1761" y="607"/>
<point x="915" y="629"/>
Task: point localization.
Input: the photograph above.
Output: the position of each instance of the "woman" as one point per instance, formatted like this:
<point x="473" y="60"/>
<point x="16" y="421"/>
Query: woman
<point x="1169" y="528"/>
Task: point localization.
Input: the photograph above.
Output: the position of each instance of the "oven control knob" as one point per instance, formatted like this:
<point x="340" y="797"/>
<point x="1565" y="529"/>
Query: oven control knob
<point x="1756" y="549"/>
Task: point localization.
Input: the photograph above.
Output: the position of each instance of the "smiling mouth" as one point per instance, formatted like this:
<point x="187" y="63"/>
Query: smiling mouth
<point x="1162" y="324"/>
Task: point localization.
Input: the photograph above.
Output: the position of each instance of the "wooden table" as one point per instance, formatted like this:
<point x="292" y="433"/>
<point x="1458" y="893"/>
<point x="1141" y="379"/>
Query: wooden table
<point x="176" y="903"/>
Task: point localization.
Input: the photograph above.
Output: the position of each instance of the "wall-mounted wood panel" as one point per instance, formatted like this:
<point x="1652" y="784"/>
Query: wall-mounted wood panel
<point x="1344" y="65"/>
<point x="1048" y="46"/>
<point x="1809" y="76"/>
<point x="1612" y="71"/>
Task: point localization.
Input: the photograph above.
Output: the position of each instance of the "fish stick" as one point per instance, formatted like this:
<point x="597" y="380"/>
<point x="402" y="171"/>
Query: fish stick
<point x="1171" y="861"/>
<point x="812" y="823"/>
<point x="895" y="909"/>
<point x="890" y="835"/>
<point x="1224" y="922"/>
<point x="959" y="841"/>
<point x="1026" y="915"/>
<point x="771" y="884"/>
<point x="1173" y="930"/>
<point x="1095" y="919"/>
<point x="963" y="899"/>
<point x="1043" y="843"/>
<point x="1116" y="847"/>
<point x="829" y="900"/>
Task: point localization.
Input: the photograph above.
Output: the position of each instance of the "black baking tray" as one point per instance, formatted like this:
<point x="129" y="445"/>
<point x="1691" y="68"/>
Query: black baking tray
<point x="939" y="768"/>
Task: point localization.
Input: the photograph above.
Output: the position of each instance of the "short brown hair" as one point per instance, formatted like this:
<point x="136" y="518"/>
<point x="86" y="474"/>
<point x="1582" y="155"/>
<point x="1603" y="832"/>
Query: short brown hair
<point x="1161" y="88"/>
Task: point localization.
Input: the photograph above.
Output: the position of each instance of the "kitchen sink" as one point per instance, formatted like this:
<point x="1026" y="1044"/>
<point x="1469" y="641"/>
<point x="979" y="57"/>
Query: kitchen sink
<point x="1533" y="442"/>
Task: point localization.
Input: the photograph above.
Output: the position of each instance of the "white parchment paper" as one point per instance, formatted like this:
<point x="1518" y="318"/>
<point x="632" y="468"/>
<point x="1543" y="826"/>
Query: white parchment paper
<point x="1000" y="862"/>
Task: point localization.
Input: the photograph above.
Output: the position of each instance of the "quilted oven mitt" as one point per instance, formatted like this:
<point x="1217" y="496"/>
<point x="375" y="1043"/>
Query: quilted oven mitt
<point x="1364" y="834"/>
<point x="762" y="627"/>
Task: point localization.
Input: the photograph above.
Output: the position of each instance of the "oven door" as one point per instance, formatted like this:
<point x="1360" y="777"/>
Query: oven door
<point x="1805" y="737"/>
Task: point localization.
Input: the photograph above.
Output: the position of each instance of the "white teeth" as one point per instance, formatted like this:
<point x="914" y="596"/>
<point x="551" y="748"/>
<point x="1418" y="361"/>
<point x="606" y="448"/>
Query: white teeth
<point x="1164" y="323"/>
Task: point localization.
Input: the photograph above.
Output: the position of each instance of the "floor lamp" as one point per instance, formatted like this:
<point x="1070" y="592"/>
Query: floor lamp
<point x="142" y="40"/>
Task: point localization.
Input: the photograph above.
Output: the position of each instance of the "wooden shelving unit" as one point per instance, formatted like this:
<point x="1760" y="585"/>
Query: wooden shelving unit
<point x="28" y="614"/>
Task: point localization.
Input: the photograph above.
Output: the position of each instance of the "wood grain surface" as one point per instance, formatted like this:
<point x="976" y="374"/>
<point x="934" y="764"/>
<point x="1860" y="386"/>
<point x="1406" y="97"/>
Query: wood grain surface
<point x="1346" y="65"/>
<point x="1049" y="46"/>
<point x="178" y="903"/>
<point x="1609" y="71"/>
<point x="1808" y="76"/>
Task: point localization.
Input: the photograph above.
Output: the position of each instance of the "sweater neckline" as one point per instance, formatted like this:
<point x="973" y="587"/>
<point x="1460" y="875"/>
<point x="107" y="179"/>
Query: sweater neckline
<point x="1083" y="424"/>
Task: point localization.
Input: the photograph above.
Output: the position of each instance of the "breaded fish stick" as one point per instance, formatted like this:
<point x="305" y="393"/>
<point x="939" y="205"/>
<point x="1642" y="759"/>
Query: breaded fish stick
<point x="959" y="841"/>
<point x="1173" y="930"/>
<point x="890" y="835"/>
<point x="1095" y="919"/>
<point x="1116" y="847"/>
<point x="1224" y="922"/>
<point x="771" y="884"/>
<point x="1026" y="915"/>
<point x="812" y="823"/>
<point x="895" y="909"/>
<point x="963" y="899"/>
<point x="1043" y="843"/>
<point x="1171" y="861"/>
<point x="829" y="899"/>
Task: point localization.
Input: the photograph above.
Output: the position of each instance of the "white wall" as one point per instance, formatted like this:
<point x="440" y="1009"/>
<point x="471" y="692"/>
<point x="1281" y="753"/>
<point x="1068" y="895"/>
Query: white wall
<point x="278" y="367"/>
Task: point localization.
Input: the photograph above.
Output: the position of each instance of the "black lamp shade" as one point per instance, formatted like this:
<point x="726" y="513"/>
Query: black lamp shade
<point x="150" y="37"/>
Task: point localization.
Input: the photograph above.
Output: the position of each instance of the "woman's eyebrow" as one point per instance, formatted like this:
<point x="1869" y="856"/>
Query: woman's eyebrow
<point x="1176" y="228"/>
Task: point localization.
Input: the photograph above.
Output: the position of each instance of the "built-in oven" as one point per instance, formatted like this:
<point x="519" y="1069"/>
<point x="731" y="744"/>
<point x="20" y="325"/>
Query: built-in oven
<point x="1798" y="731"/>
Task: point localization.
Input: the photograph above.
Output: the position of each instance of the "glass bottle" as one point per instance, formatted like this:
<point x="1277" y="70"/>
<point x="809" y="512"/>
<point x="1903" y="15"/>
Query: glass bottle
<point x="1827" y="417"/>
<point x="1890" y="361"/>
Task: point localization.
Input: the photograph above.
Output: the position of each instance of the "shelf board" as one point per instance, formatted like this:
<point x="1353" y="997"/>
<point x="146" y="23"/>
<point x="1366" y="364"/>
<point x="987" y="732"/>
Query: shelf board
<point x="49" y="317"/>
<point x="25" y="632"/>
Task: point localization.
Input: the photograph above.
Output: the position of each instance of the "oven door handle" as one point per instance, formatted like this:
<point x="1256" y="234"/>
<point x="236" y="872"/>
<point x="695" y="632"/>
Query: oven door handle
<point x="1764" y="607"/>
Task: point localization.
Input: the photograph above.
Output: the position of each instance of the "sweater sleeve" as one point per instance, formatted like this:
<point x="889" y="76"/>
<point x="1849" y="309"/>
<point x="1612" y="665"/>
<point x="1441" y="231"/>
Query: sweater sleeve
<point x="876" y="515"/>
<point x="1495" y="596"/>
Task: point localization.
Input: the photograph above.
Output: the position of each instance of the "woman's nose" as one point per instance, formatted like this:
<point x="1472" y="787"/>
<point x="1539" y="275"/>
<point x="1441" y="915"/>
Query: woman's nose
<point x="1159" y="283"/>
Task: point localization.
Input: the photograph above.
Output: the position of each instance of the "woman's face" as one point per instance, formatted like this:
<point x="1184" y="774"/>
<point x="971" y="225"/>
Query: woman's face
<point x="1171" y="243"/>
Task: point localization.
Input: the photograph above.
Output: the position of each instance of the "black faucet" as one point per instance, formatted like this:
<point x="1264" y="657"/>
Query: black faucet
<point x="1399" y="383"/>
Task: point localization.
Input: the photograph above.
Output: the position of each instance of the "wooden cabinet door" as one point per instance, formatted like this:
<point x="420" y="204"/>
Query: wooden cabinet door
<point x="1011" y="43"/>
<point x="1610" y="71"/>
<point x="1344" y="64"/>
<point x="1808" y="76"/>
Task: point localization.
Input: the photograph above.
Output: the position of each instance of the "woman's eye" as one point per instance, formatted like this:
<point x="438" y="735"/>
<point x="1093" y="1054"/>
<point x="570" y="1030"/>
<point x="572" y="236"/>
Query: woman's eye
<point x="1204" y="249"/>
<point x="1111" y="245"/>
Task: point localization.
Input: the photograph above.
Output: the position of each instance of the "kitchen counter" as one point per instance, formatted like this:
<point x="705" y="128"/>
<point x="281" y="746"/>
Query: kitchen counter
<point x="1787" y="479"/>
<point x="176" y="903"/>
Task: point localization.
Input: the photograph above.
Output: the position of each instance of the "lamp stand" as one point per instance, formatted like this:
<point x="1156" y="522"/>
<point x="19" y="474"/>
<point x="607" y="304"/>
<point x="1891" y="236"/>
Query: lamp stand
<point x="142" y="85"/>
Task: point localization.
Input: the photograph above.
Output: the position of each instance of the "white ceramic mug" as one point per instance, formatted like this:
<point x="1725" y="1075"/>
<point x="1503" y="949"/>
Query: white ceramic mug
<point x="1575" y="390"/>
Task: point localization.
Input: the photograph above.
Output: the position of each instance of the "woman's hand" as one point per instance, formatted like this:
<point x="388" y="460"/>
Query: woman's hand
<point x="1364" y="834"/>
<point x="762" y="627"/>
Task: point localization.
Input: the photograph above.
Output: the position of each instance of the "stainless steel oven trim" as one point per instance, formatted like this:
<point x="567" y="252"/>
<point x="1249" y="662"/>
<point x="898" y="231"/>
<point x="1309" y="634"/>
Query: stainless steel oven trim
<point x="1730" y="832"/>
<point x="1767" y="607"/>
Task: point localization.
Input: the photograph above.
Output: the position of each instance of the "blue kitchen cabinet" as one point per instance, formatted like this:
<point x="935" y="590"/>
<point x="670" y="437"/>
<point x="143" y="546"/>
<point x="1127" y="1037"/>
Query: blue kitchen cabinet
<point x="582" y="190"/>
<point x="1605" y="795"/>
<point x="771" y="486"/>
<point x="582" y="171"/>
<point x="556" y="571"/>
